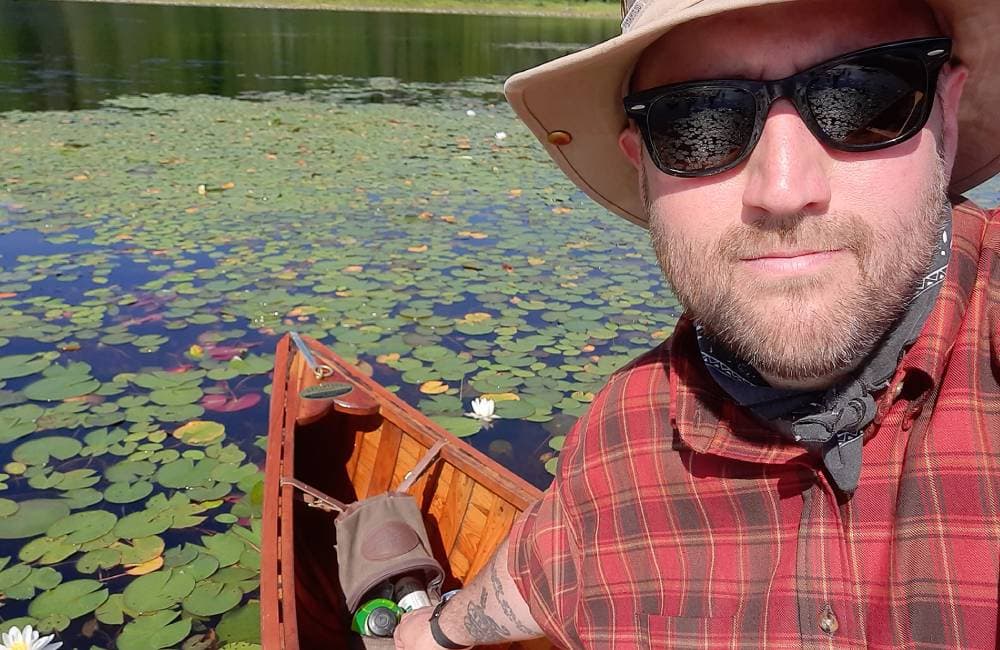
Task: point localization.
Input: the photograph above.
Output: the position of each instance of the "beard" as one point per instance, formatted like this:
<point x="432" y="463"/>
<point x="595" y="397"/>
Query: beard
<point x="811" y="326"/>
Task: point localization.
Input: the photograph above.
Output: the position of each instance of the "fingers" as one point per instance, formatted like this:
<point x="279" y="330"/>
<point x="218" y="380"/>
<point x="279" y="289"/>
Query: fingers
<point x="413" y="631"/>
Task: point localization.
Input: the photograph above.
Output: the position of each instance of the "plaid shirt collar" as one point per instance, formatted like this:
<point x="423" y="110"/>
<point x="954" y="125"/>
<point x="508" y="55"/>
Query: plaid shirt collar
<point x="707" y="421"/>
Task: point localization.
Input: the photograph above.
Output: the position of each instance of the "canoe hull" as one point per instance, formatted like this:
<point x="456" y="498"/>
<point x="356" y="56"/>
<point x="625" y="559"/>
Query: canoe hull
<point x="350" y="447"/>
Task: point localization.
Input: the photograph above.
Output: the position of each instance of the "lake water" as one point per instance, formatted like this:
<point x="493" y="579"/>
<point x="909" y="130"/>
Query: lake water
<point x="178" y="187"/>
<point x="70" y="55"/>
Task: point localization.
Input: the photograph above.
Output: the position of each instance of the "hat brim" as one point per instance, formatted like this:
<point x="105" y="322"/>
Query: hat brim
<point x="581" y="94"/>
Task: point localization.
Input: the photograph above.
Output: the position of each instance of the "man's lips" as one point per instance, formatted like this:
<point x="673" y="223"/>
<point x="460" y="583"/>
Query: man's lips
<point x="796" y="261"/>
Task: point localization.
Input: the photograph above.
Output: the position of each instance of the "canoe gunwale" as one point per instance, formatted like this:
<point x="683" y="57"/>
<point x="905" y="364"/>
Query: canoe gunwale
<point x="271" y="605"/>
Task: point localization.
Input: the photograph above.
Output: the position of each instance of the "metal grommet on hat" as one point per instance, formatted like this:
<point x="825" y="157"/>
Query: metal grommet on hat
<point x="560" y="138"/>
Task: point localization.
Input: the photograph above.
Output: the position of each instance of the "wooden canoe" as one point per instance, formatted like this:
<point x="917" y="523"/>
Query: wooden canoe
<point x="349" y="447"/>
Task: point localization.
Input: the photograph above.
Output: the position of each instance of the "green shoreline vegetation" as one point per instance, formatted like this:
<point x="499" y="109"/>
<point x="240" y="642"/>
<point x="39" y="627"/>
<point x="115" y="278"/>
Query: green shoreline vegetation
<point x="559" y="8"/>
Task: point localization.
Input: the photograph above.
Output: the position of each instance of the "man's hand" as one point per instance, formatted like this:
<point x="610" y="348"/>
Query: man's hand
<point x="489" y="610"/>
<point x="414" y="631"/>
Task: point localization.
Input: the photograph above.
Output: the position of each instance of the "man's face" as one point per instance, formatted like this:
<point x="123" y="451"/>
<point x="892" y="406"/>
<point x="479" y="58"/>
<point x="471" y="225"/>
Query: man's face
<point x="800" y="258"/>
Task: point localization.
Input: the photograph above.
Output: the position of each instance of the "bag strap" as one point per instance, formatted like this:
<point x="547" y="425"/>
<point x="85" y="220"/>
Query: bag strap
<point x="418" y="469"/>
<point x="320" y="500"/>
<point x="324" y="501"/>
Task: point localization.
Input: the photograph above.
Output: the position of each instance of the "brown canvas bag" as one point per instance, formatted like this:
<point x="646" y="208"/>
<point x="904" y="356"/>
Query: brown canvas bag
<point x="380" y="537"/>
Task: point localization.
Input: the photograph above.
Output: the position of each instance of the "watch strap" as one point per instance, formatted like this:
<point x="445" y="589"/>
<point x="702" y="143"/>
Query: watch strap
<point x="439" y="636"/>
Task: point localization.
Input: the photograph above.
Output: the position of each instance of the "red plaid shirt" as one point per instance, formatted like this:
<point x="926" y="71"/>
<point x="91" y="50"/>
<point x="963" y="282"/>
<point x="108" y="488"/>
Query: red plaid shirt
<point x="676" y="520"/>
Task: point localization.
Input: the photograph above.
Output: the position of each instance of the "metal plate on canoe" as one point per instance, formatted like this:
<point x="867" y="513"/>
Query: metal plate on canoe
<point x="326" y="390"/>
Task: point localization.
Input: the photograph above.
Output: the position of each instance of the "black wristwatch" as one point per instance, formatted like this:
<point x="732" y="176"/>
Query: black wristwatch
<point x="439" y="636"/>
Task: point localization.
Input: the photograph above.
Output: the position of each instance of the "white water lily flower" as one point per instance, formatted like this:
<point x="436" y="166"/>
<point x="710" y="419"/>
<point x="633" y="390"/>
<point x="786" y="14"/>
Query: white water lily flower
<point x="500" y="135"/>
<point x="27" y="639"/>
<point x="483" y="410"/>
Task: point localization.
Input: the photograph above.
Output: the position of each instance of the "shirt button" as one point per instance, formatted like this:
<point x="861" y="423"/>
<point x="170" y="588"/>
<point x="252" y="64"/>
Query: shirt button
<point x="828" y="621"/>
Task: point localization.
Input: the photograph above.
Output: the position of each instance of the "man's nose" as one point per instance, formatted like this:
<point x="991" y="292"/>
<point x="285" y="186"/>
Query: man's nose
<point x="788" y="171"/>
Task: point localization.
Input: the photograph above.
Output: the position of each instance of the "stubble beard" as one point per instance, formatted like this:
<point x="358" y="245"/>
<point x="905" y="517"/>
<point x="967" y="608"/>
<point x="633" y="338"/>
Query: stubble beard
<point x="817" y="331"/>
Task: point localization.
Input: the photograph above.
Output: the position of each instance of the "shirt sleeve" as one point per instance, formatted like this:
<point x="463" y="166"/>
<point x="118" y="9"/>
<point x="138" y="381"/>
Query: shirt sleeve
<point x="542" y="559"/>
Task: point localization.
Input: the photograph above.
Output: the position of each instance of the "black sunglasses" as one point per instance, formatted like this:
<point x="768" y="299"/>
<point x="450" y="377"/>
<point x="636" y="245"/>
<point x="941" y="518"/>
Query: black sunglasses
<point x="863" y="101"/>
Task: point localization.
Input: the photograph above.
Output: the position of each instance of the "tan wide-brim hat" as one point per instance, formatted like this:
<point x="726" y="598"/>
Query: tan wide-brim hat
<point x="573" y="104"/>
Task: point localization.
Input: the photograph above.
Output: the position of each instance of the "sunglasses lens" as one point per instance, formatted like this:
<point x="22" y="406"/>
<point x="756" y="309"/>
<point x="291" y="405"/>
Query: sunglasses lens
<point x="869" y="102"/>
<point x="701" y="129"/>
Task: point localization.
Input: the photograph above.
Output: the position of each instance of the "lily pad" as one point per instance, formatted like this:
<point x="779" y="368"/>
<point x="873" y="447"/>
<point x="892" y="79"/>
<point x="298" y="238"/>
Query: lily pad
<point x="128" y="492"/>
<point x="101" y="558"/>
<point x="140" y="550"/>
<point x="154" y="631"/>
<point x="213" y="490"/>
<point x="225" y="547"/>
<point x="47" y="550"/>
<point x="226" y="404"/>
<point x="22" y="365"/>
<point x="475" y="329"/>
<point x="79" y="499"/>
<point x="72" y="599"/>
<point x="33" y="517"/>
<point x="252" y="364"/>
<point x="180" y="555"/>
<point x="160" y="380"/>
<point x="157" y="591"/>
<point x="514" y="409"/>
<point x="176" y="396"/>
<point x="83" y="526"/>
<point x="212" y="598"/>
<point x="7" y="507"/>
<point x="61" y="383"/>
<point x="241" y="625"/>
<point x="13" y="575"/>
<point x="458" y="426"/>
<point x="79" y="479"/>
<point x="144" y="523"/>
<point x="186" y="473"/>
<point x="19" y="421"/>
<point x="202" y="567"/>
<point x="127" y="471"/>
<point x="39" y="450"/>
<point x="200" y="432"/>
<point x="112" y="611"/>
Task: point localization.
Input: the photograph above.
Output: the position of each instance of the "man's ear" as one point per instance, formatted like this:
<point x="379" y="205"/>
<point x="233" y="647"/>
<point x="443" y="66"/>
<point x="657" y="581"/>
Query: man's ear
<point x="630" y="142"/>
<point x="949" y="92"/>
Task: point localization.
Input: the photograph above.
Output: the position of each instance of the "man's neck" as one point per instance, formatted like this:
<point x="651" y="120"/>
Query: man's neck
<point x="810" y="383"/>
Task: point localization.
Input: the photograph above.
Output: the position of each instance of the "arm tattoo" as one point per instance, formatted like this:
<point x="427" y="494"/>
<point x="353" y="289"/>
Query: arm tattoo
<point x="498" y="594"/>
<point x="479" y="624"/>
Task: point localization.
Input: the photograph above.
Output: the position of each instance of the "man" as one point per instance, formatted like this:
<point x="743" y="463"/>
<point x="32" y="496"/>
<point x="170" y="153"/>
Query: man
<point x="811" y="460"/>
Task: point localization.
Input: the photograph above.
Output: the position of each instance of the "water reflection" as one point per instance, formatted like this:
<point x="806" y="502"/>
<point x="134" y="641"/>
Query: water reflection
<point x="66" y="55"/>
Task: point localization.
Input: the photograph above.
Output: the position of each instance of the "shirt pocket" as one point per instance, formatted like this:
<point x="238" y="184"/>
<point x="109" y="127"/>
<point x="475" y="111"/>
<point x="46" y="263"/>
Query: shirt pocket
<point x="662" y="632"/>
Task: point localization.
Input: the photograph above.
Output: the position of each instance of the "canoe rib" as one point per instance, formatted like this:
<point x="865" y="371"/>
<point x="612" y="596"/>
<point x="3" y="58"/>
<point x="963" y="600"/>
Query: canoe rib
<point x="362" y="445"/>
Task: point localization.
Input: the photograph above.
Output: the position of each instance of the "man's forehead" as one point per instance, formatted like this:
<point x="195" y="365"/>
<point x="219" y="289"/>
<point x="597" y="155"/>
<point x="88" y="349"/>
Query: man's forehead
<point x="774" y="41"/>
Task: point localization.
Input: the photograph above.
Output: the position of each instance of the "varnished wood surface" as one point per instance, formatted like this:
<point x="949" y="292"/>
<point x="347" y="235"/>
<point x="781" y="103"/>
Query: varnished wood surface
<point x="363" y="444"/>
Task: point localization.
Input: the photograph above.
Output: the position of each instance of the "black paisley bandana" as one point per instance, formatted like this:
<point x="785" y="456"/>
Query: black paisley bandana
<point x="830" y="423"/>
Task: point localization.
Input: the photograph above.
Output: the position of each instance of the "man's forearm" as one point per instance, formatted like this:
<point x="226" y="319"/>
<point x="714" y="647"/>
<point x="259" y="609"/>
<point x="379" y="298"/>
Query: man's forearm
<point x="490" y="608"/>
